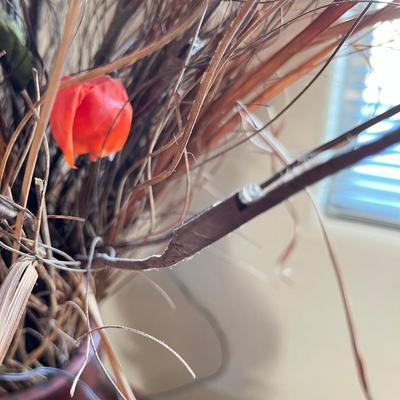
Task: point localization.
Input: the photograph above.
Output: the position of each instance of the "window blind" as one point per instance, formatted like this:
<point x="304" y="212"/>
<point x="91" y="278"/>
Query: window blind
<point x="369" y="84"/>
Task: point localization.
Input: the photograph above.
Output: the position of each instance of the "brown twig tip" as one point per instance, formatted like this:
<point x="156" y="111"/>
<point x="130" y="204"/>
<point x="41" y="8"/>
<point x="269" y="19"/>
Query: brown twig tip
<point x="221" y="219"/>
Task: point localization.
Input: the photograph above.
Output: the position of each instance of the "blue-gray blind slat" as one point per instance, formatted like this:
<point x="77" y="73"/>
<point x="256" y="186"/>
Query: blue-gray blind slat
<point x="369" y="191"/>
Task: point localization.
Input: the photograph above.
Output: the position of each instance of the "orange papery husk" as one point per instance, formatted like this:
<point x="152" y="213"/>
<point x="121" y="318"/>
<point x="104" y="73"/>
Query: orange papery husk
<point x="93" y="117"/>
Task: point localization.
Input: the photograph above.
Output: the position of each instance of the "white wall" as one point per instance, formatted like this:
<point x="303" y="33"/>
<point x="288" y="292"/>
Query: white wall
<point x="285" y="334"/>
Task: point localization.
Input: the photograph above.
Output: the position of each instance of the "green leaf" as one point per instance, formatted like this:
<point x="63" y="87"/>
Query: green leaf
<point x="17" y="62"/>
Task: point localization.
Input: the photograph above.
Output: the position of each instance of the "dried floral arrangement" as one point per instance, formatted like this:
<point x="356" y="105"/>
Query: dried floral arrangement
<point x="109" y="113"/>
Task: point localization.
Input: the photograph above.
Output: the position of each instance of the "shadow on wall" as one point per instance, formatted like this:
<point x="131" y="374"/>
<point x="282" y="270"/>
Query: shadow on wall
<point x="220" y="327"/>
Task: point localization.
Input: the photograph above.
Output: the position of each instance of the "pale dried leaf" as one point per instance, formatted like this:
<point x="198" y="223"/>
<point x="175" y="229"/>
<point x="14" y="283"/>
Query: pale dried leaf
<point x="14" y="295"/>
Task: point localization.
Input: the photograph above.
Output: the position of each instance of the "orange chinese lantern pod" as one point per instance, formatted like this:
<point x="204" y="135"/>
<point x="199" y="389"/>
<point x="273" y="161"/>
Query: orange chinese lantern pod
<point x="93" y="117"/>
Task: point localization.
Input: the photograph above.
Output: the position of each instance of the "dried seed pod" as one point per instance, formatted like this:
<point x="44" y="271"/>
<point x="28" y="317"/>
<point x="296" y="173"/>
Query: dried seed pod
<point x="93" y="117"/>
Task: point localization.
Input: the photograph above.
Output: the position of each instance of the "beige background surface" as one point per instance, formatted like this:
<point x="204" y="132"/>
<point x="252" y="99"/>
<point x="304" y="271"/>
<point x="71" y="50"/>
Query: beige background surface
<point x="283" y="332"/>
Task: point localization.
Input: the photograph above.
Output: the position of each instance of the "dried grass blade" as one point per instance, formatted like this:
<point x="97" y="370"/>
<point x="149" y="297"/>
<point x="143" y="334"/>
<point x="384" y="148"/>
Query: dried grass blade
<point x="119" y="375"/>
<point x="147" y="336"/>
<point x="51" y="92"/>
<point x="14" y="295"/>
<point x="206" y="83"/>
<point x="130" y="59"/>
<point x="280" y="151"/>
<point x="251" y="80"/>
<point x="390" y="12"/>
<point x="309" y="84"/>
<point x="213" y="137"/>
